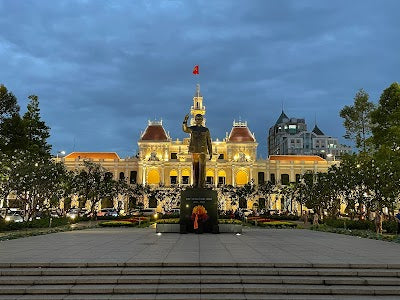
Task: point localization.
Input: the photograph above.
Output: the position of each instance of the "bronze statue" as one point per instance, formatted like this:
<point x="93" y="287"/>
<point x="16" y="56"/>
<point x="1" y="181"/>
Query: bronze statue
<point x="200" y="145"/>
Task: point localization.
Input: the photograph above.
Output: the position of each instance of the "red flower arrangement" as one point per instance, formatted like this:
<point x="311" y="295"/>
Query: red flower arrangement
<point x="201" y="213"/>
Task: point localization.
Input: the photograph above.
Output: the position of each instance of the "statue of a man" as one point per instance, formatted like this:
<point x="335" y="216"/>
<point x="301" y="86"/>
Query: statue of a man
<point x="200" y="145"/>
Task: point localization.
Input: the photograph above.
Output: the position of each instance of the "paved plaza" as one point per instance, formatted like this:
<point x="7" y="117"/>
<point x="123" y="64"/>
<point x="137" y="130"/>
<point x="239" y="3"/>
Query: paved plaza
<point x="143" y="245"/>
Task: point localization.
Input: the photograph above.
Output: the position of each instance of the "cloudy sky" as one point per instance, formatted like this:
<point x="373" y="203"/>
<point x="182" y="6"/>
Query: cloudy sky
<point x="103" y="68"/>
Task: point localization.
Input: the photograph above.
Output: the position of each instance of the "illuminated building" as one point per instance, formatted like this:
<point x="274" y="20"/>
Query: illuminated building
<point x="164" y="161"/>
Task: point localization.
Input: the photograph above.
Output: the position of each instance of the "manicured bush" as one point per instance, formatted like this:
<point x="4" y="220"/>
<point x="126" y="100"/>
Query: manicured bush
<point x="229" y="221"/>
<point x="168" y="221"/>
<point x="281" y="217"/>
<point x="390" y="226"/>
<point x="40" y="223"/>
<point x="171" y="216"/>
<point x="117" y="224"/>
<point x="277" y="224"/>
<point x="350" y="224"/>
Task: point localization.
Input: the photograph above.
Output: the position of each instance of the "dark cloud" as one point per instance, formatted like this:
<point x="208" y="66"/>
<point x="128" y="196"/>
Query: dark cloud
<point x="103" y="68"/>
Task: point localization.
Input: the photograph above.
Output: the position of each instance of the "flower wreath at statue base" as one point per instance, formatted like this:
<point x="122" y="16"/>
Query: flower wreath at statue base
<point x="199" y="214"/>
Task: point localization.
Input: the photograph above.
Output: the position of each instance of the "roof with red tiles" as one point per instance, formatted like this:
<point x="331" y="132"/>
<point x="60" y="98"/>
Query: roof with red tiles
<point x="92" y="155"/>
<point x="154" y="133"/>
<point x="241" y="134"/>
<point x="296" y="157"/>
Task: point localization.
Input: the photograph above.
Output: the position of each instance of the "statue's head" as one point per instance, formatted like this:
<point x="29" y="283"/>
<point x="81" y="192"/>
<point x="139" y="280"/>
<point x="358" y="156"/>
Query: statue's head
<point x="198" y="119"/>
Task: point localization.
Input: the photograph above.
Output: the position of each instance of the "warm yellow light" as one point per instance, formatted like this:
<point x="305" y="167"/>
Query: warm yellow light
<point x="8" y="219"/>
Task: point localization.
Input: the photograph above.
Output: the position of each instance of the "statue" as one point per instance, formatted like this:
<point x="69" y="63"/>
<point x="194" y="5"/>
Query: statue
<point x="200" y="145"/>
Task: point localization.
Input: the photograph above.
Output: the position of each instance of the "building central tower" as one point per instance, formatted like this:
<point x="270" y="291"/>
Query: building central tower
<point x="198" y="107"/>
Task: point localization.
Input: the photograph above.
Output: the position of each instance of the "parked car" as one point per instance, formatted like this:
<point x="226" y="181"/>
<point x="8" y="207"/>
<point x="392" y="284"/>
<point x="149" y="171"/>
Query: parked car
<point x="173" y="211"/>
<point x="247" y="212"/>
<point x="108" y="212"/>
<point x="13" y="217"/>
<point x="73" y="213"/>
<point x="148" y="212"/>
<point x="134" y="212"/>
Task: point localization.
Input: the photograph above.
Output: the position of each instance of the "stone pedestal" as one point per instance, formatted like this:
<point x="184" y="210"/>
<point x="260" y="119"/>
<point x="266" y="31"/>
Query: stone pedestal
<point x="192" y="197"/>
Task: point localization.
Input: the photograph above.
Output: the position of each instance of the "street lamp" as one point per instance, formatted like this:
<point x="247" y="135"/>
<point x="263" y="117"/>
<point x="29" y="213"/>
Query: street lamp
<point x="62" y="152"/>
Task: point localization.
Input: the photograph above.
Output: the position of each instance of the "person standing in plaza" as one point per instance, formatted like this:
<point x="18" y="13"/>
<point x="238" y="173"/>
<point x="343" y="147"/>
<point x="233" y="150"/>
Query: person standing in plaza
<point x="378" y="222"/>
<point x="397" y="217"/>
<point x="315" y="219"/>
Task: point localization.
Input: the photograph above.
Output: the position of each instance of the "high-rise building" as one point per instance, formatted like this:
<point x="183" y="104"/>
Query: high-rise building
<point x="289" y="136"/>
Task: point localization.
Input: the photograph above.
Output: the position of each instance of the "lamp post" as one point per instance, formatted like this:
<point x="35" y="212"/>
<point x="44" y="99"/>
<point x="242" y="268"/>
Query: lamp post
<point x="62" y="152"/>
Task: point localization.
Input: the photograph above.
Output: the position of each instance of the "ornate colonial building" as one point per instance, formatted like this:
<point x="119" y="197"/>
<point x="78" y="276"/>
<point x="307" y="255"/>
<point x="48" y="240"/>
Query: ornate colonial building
<point x="165" y="161"/>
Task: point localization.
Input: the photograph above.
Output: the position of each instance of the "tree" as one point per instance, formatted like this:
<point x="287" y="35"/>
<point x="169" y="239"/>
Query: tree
<point x="93" y="184"/>
<point x="357" y="120"/>
<point x="265" y="190"/>
<point x="37" y="131"/>
<point x="386" y="119"/>
<point x="8" y="104"/>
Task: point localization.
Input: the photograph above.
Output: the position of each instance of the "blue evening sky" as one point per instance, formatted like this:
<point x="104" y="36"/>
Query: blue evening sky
<point x="101" y="69"/>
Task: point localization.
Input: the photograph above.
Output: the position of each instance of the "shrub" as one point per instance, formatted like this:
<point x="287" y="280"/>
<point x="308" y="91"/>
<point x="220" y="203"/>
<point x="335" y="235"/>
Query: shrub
<point x="117" y="224"/>
<point x="168" y="221"/>
<point x="350" y="224"/>
<point x="277" y="224"/>
<point x="390" y="226"/>
<point x="170" y="216"/>
<point x="229" y="221"/>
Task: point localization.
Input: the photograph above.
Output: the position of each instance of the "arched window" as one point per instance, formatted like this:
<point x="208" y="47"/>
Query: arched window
<point x="153" y="177"/>
<point x="173" y="177"/>
<point x="241" y="178"/>
<point x="221" y="177"/>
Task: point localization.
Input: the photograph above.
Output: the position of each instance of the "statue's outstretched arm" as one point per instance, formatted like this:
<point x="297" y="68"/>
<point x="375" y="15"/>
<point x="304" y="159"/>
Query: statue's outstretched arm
<point x="185" y="128"/>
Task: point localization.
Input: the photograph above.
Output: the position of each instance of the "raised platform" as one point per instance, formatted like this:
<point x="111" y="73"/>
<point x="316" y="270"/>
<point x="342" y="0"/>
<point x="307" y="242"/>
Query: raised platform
<point x="192" y="197"/>
<point x="133" y="263"/>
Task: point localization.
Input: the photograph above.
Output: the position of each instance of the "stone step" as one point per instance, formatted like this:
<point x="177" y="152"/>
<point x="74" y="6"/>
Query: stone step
<point x="199" y="271"/>
<point x="200" y="289"/>
<point x="194" y="264"/>
<point x="196" y="279"/>
<point x="195" y="297"/>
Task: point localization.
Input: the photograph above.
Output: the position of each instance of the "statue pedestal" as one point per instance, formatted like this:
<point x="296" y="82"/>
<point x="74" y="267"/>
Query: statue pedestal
<point x="192" y="197"/>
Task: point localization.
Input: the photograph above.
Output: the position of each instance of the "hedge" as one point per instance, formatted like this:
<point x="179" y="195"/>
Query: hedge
<point x="389" y="226"/>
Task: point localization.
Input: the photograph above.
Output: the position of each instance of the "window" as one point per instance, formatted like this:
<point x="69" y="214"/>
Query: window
<point x="261" y="178"/>
<point x="298" y="178"/>
<point x="209" y="180"/>
<point x="273" y="180"/>
<point x="132" y="179"/>
<point x="285" y="179"/>
<point x="221" y="156"/>
<point x="174" y="155"/>
<point x="185" y="179"/>
<point x="221" y="180"/>
<point x="121" y="176"/>
<point x="173" y="179"/>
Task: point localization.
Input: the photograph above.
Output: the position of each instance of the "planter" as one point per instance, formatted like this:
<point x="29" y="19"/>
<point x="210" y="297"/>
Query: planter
<point x="167" y="228"/>
<point x="231" y="228"/>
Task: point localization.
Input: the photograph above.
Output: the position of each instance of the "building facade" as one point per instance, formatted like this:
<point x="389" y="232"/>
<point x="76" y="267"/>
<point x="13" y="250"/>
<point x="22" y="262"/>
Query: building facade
<point x="163" y="161"/>
<point x="289" y="136"/>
